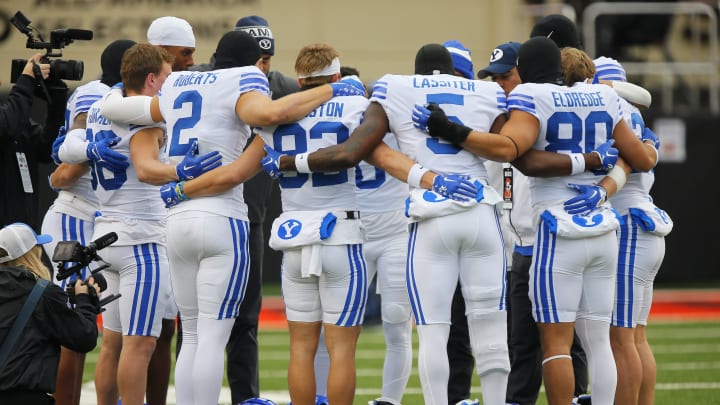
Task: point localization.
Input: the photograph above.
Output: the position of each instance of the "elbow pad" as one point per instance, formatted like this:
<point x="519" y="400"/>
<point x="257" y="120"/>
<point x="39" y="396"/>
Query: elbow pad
<point x="74" y="148"/>
<point x="133" y="109"/>
<point x="633" y="93"/>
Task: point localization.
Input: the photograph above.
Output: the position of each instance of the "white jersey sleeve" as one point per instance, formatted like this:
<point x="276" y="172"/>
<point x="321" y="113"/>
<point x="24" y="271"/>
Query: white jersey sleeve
<point x="329" y="124"/>
<point x="473" y="103"/>
<point x="201" y="105"/>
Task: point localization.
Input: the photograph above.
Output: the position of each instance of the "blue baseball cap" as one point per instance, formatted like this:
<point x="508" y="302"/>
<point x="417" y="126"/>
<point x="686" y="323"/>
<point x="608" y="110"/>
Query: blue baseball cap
<point x="502" y="59"/>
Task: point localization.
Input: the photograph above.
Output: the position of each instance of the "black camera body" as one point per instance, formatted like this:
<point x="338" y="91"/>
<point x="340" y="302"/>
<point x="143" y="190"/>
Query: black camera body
<point x="59" y="69"/>
<point x="71" y="257"/>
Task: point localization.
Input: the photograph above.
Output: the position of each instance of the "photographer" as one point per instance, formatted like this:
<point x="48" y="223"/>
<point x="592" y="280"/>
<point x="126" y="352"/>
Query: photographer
<point x="29" y="372"/>
<point x="24" y="143"/>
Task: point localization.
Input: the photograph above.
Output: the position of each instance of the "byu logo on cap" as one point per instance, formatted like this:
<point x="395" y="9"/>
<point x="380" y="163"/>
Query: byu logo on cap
<point x="265" y="44"/>
<point x="496" y="55"/>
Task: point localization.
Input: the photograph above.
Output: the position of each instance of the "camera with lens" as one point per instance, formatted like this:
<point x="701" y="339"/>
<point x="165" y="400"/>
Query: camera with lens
<point x="72" y="257"/>
<point x="59" y="69"/>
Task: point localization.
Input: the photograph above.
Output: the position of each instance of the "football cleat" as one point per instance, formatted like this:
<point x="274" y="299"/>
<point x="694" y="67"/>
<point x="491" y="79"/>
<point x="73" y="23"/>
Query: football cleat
<point x="469" y="402"/>
<point x="258" y="401"/>
<point x="584" y="400"/>
<point x="319" y="400"/>
<point x="384" y="401"/>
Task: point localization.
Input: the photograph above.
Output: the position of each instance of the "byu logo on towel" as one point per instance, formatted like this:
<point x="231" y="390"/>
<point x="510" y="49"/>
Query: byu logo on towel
<point x="587" y="222"/>
<point x="289" y="229"/>
<point x="429" y="196"/>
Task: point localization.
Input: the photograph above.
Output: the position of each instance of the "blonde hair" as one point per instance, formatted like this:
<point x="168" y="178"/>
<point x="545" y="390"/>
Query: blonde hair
<point x="312" y="58"/>
<point x="31" y="261"/>
<point x="139" y="61"/>
<point x="577" y="65"/>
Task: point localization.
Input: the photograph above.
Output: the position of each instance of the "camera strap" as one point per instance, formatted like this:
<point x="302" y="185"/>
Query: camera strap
<point x="21" y="320"/>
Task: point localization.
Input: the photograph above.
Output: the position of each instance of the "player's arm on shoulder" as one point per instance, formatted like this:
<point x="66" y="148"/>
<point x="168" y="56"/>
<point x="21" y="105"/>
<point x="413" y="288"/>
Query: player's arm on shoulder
<point x="349" y="153"/>
<point x="65" y="175"/>
<point x="639" y="155"/>
<point x="516" y="137"/>
<point x="634" y="94"/>
<point x="228" y="176"/>
<point x="257" y="109"/>
<point x="145" y="156"/>
<point x="142" y="110"/>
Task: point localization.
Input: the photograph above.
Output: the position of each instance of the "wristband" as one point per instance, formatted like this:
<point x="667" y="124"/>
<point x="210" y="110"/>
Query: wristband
<point x="301" y="163"/>
<point x="415" y="175"/>
<point x="179" y="190"/>
<point x="578" y="163"/>
<point x="618" y="175"/>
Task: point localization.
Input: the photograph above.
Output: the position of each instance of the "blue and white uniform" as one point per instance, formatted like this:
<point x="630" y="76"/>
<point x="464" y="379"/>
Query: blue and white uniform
<point x="207" y="236"/>
<point x="324" y="277"/>
<point x="138" y="260"/>
<point x="572" y="275"/>
<point x="381" y="199"/>
<point x="451" y="241"/>
<point x="641" y="239"/>
<point x="72" y="214"/>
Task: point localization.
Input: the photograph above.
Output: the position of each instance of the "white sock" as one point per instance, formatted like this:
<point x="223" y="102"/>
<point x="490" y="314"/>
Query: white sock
<point x="398" y="359"/>
<point x="184" y="363"/>
<point x="322" y="366"/>
<point x="209" y="367"/>
<point x="595" y="339"/>
<point x="433" y="363"/>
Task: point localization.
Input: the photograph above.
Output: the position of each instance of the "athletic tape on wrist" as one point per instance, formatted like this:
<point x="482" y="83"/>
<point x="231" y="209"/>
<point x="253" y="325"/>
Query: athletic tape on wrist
<point x="578" y="163"/>
<point x="301" y="163"/>
<point x="618" y="174"/>
<point x="415" y="175"/>
<point x="179" y="190"/>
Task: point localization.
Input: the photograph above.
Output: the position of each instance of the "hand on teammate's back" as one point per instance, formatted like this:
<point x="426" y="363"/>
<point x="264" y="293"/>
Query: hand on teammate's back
<point x="607" y="154"/>
<point x="271" y="162"/>
<point x="433" y="120"/>
<point x="101" y="153"/>
<point x="456" y="187"/>
<point x="591" y="197"/>
<point x="193" y="166"/>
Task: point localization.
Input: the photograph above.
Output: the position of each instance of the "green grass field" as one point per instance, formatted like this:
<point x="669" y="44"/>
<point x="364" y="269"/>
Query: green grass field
<point x="687" y="354"/>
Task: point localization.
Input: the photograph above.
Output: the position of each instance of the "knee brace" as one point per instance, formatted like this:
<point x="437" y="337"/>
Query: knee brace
<point x="488" y="338"/>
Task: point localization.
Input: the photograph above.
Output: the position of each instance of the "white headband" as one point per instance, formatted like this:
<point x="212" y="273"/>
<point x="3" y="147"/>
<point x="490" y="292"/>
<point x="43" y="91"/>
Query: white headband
<point x="331" y="69"/>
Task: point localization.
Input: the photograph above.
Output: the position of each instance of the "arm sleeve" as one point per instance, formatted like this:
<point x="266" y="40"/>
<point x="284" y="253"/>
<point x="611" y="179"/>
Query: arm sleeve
<point x="134" y="109"/>
<point x="633" y="93"/>
<point x="74" y="149"/>
<point x="15" y="114"/>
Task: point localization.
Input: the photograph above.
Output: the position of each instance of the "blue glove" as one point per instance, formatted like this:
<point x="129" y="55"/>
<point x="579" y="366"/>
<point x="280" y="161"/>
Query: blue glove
<point x="271" y="162"/>
<point x="57" y="144"/>
<point x="172" y="193"/>
<point x="455" y="187"/>
<point x="193" y="165"/>
<point x="591" y="197"/>
<point x="100" y="152"/>
<point x="607" y="154"/>
<point x="420" y="116"/>
<point x="343" y="88"/>
<point x="355" y="81"/>
<point x="649" y="135"/>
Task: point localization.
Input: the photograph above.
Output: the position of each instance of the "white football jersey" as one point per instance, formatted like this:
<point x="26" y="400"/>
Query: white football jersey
<point x="378" y="191"/>
<point x="473" y="103"/>
<point x="329" y="124"/>
<point x="201" y="105"/>
<point x="573" y="119"/>
<point x="637" y="188"/>
<point x="120" y="193"/>
<point x="79" y="102"/>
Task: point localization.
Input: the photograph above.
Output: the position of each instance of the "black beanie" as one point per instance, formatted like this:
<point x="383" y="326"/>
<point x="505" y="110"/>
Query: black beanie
<point x="539" y="61"/>
<point x="236" y="49"/>
<point x="433" y="59"/>
<point x="559" y="28"/>
<point x="111" y="59"/>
